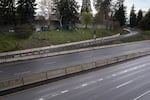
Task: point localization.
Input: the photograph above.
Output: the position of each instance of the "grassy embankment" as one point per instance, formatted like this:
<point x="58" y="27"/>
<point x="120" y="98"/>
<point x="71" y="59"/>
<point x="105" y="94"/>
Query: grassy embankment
<point x="145" y="35"/>
<point x="8" y="41"/>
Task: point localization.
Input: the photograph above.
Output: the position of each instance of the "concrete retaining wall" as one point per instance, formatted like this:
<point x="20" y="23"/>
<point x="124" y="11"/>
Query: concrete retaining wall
<point x="34" y="55"/>
<point x="37" y="77"/>
<point x="42" y="52"/>
<point x="112" y="60"/>
<point x="34" y="78"/>
<point x="101" y="63"/>
<point x="88" y="66"/>
<point x="11" y="84"/>
<point x="74" y="69"/>
<point x="122" y="58"/>
<point x="56" y="73"/>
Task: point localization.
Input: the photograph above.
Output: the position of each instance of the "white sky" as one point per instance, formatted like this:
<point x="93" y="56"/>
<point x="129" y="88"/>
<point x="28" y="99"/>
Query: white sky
<point x="139" y="4"/>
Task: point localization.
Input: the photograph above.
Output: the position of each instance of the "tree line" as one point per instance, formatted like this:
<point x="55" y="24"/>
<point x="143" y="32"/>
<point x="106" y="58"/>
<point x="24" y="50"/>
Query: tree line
<point x="20" y="12"/>
<point x="139" y="20"/>
<point x="19" y="15"/>
<point x="109" y="12"/>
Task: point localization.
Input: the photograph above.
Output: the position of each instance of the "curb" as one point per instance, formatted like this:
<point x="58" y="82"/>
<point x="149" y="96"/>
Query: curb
<point x="67" y="52"/>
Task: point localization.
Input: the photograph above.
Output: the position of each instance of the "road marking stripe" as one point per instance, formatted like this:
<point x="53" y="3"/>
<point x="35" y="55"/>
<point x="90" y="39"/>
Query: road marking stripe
<point x="125" y="71"/>
<point x="78" y="87"/>
<point x="53" y="95"/>
<point x="89" y="83"/>
<point x="113" y="75"/>
<point x="65" y="91"/>
<point x="142" y="95"/>
<point x="124" y="84"/>
<point x="83" y="85"/>
<point x="101" y="79"/>
<point x="92" y="82"/>
<point x="41" y="99"/>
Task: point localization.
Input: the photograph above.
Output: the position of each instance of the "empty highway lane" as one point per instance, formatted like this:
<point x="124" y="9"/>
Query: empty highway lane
<point x="21" y="68"/>
<point x="129" y="80"/>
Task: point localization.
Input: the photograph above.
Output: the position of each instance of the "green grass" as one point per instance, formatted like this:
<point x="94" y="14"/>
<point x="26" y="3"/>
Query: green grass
<point x="8" y="41"/>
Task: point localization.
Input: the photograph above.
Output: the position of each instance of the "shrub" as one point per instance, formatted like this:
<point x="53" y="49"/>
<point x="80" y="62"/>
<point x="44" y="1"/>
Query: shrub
<point x="24" y="31"/>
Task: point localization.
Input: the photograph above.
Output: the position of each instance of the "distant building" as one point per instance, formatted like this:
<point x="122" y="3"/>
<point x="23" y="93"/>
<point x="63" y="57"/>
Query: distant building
<point x="41" y="24"/>
<point x="54" y="22"/>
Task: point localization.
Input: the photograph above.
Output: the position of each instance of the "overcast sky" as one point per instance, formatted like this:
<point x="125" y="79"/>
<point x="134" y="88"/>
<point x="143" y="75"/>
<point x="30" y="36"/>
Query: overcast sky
<point x="139" y="4"/>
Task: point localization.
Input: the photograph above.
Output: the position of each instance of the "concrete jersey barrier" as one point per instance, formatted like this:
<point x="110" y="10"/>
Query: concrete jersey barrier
<point x="38" y="77"/>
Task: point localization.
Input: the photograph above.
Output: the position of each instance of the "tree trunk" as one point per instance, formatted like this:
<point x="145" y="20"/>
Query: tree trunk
<point x="61" y="22"/>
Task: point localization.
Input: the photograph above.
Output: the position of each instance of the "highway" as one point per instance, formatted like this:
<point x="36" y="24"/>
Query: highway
<point x="129" y="80"/>
<point x="16" y="69"/>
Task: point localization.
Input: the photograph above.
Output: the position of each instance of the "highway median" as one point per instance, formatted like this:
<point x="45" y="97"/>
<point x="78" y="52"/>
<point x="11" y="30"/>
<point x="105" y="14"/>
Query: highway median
<point x="51" y="74"/>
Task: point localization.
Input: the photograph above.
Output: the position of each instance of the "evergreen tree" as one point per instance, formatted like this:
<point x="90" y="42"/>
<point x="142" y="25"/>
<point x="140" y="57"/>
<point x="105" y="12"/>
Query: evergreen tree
<point x="133" y="18"/>
<point x="68" y="12"/>
<point x="139" y="16"/>
<point x="7" y="12"/>
<point x="25" y="11"/>
<point x="145" y="22"/>
<point x="103" y="9"/>
<point x="103" y="15"/>
<point x="120" y="14"/>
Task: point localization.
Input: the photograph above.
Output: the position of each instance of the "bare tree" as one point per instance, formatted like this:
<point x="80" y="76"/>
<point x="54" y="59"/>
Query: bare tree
<point x="46" y="7"/>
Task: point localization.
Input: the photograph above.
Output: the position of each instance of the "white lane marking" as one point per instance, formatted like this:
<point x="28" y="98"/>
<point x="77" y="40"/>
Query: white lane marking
<point x="142" y="95"/>
<point x="41" y="99"/>
<point x="50" y="63"/>
<point x="50" y="95"/>
<point x="22" y="73"/>
<point x="113" y="75"/>
<point x="89" y="83"/>
<point x="125" y="71"/>
<point x="83" y="85"/>
<point x="124" y="84"/>
<point x="135" y="68"/>
<point x="101" y="79"/>
<point x="65" y="91"/>
<point x="131" y="69"/>
<point x="77" y="87"/>
<point x="92" y="82"/>
<point x="55" y="94"/>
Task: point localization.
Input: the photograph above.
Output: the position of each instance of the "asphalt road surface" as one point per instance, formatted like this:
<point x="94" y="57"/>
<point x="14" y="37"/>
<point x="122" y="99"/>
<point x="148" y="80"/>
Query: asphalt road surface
<point x="20" y="68"/>
<point x="129" y="80"/>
